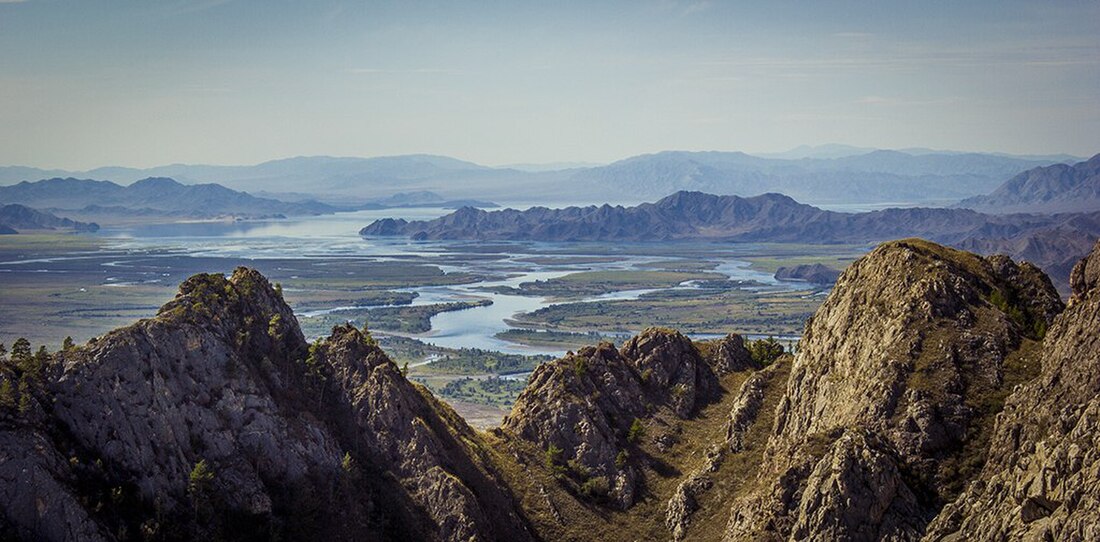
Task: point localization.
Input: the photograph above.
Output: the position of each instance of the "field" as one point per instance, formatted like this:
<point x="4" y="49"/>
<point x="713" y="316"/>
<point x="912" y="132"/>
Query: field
<point x="557" y="339"/>
<point x="593" y="283"/>
<point x="691" y="311"/>
<point x="401" y="319"/>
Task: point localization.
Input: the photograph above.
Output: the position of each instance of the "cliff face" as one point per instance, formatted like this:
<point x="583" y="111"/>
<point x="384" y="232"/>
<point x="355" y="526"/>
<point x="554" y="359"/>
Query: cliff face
<point x="892" y="393"/>
<point x="293" y="441"/>
<point x="1041" y="482"/>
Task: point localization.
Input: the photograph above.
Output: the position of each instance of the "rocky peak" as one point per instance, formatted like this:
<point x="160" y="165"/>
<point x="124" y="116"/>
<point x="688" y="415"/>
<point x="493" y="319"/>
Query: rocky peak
<point x="668" y="361"/>
<point x="730" y="355"/>
<point x="1085" y="277"/>
<point x="1040" y="481"/>
<point x="215" y="419"/>
<point x="592" y="406"/>
<point x="580" y="409"/>
<point x="913" y="350"/>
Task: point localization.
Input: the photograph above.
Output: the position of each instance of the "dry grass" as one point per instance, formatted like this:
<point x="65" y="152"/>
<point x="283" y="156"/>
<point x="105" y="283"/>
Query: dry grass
<point x="545" y="500"/>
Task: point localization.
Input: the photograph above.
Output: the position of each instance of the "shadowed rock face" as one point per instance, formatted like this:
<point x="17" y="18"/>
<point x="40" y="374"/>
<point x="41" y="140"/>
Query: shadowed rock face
<point x="328" y="442"/>
<point x="1040" y="482"/>
<point x="898" y="372"/>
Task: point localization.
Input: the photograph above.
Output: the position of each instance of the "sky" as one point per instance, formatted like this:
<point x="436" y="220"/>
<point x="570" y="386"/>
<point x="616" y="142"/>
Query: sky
<point x="87" y="83"/>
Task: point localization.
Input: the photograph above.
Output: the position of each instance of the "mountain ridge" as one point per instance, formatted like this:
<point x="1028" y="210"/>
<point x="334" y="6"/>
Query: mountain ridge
<point x="156" y="193"/>
<point x="225" y="421"/>
<point x="768" y="218"/>
<point x="17" y="217"/>
<point x="869" y="177"/>
<point x="1058" y="188"/>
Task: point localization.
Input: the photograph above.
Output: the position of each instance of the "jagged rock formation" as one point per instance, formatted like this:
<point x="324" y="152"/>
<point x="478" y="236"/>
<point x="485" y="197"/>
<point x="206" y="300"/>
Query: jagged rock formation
<point x="936" y="395"/>
<point x="589" y="406"/>
<point x="328" y="441"/>
<point x="892" y="393"/>
<point x="729" y="355"/>
<point x="1040" y="482"/>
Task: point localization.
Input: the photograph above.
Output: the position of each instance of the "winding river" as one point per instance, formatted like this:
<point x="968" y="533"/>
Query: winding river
<point x="337" y="236"/>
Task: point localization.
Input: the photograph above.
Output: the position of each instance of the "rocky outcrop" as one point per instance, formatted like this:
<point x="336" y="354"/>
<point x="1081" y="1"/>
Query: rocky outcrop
<point x="216" y="419"/>
<point x="747" y="408"/>
<point x="729" y="355"/>
<point x="588" y="409"/>
<point x="1040" y="481"/>
<point x="672" y="369"/>
<point x="812" y="273"/>
<point x="899" y="372"/>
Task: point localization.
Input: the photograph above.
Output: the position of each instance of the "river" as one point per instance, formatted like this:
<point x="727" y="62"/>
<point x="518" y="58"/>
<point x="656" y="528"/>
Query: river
<point x="335" y="236"/>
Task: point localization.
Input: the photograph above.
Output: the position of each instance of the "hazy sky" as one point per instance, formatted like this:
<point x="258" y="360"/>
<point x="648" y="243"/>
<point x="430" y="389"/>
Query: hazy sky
<point x="85" y="83"/>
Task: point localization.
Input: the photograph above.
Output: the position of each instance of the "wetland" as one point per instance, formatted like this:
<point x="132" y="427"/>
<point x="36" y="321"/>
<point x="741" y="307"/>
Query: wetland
<point x="459" y="314"/>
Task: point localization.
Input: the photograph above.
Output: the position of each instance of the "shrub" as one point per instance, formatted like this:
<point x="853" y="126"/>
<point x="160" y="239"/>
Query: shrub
<point x="597" y="486"/>
<point x="348" y="464"/>
<point x="552" y="455"/>
<point x="24" y="395"/>
<point x="200" y="479"/>
<point x="637" y="431"/>
<point x="580" y="366"/>
<point x="273" y="327"/>
<point x="7" y="395"/>
<point x="552" y="458"/>
<point x="621" y="459"/>
<point x="580" y="470"/>
<point x="765" y="351"/>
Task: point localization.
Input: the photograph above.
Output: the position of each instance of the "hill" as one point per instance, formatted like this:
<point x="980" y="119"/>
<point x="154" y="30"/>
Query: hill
<point x="166" y="196"/>
<point x="19" y="217"/>
<point x="1059" y="188"/>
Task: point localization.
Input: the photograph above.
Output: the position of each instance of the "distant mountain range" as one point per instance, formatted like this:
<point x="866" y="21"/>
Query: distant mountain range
<point x="150" y="197"/>
<point x="424" y="198"/>
<point x="1048" y="240"/>
<point x="830" y="175"/>
<point x="1056" y="188"/>
<point x="16" y="218"/>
